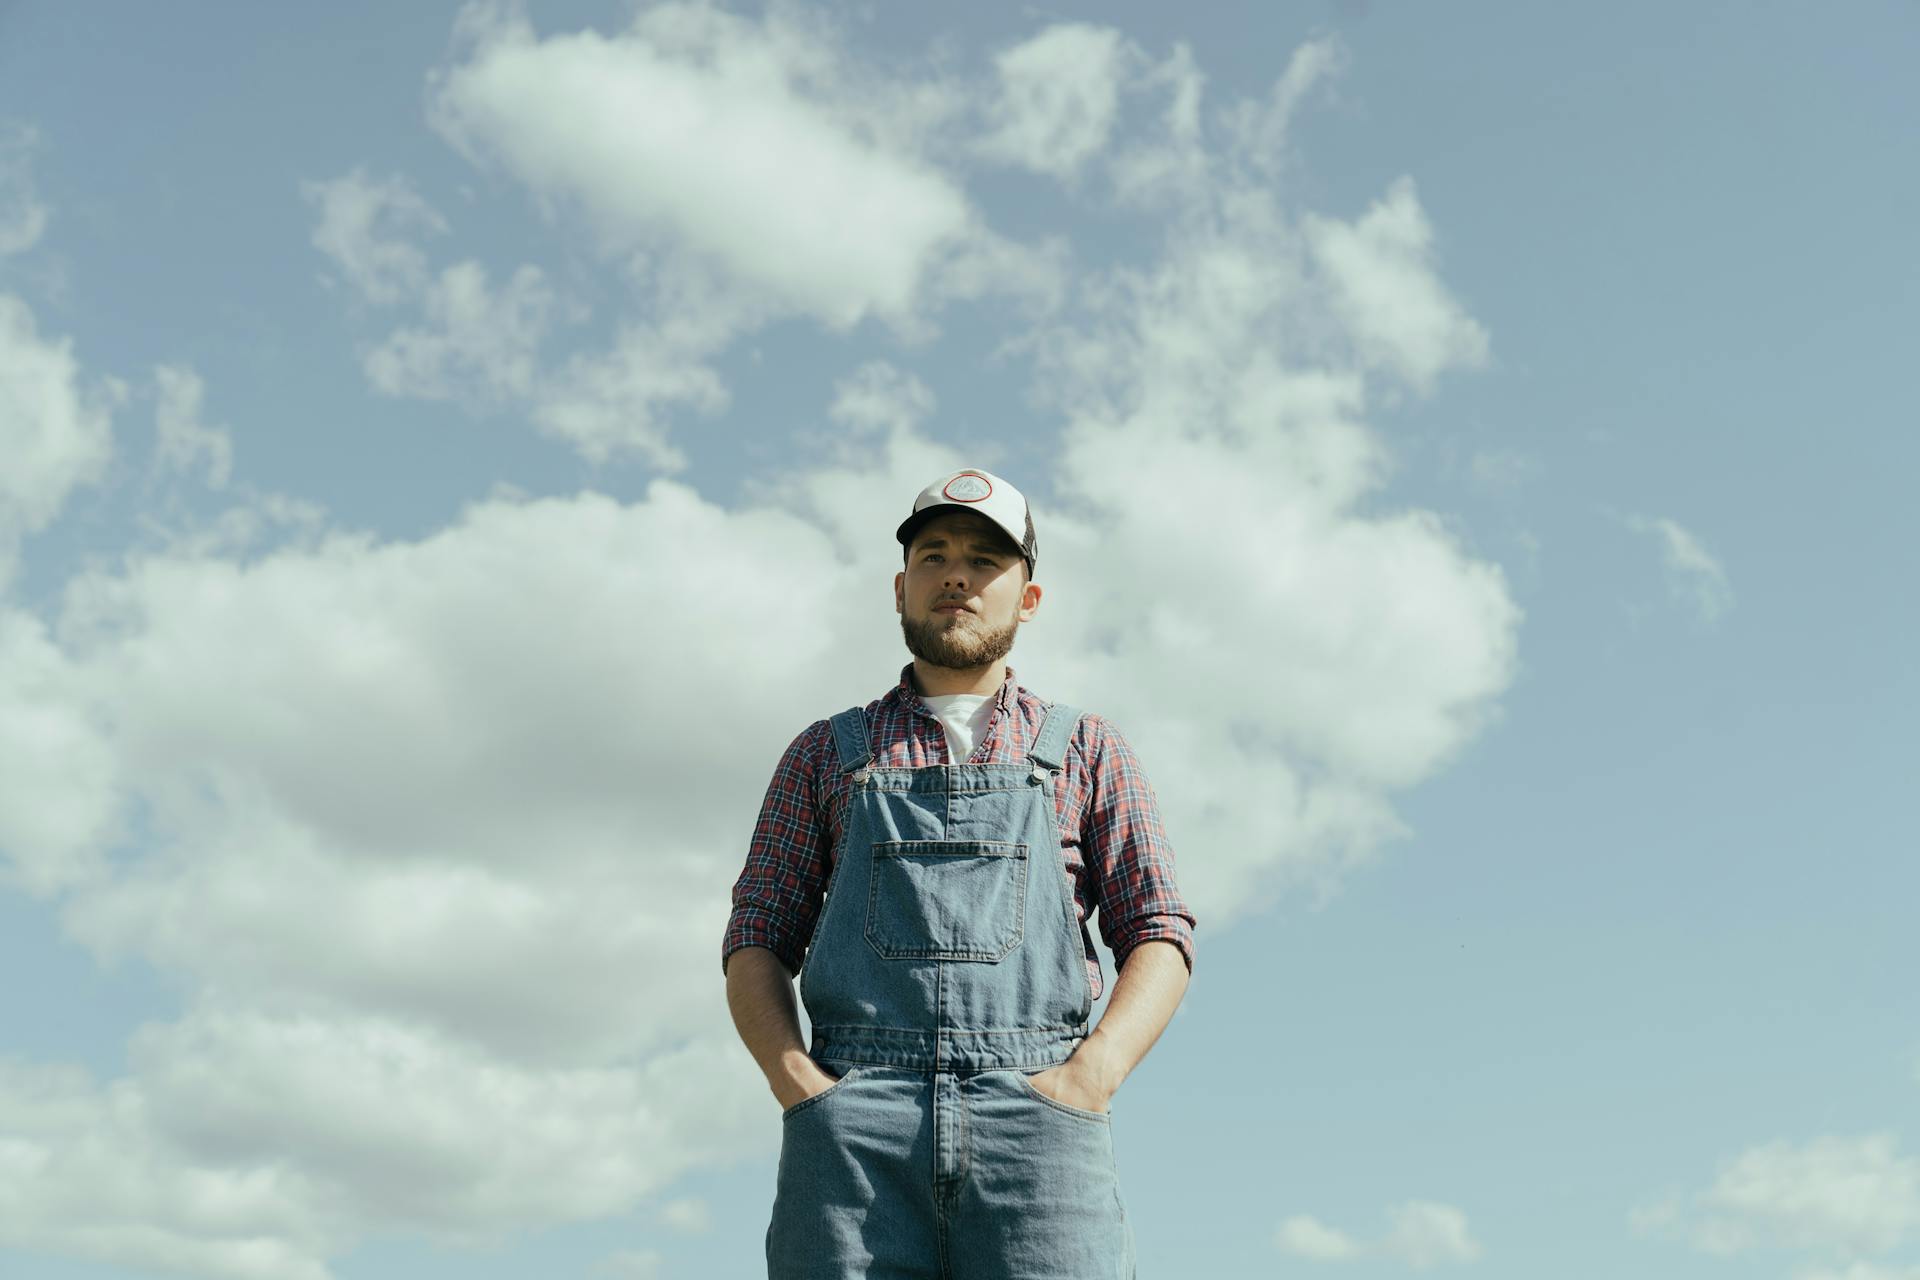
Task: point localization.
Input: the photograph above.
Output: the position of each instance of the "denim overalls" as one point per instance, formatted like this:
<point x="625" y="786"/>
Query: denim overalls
<point x="947" y="966"/>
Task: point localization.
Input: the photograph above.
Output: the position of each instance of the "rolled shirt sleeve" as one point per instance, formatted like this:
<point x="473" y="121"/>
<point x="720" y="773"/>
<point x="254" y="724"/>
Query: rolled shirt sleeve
<point x="778" y="893"/>
<point x="1128" y="860"/>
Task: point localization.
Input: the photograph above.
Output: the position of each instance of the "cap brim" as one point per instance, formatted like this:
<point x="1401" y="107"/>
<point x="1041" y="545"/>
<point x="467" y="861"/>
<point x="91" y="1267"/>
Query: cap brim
<point x="911" y="525"/>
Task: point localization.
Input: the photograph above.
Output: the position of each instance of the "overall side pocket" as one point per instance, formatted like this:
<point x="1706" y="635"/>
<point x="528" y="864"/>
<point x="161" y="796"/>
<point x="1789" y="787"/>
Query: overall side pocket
<point x="833" y="1088"/>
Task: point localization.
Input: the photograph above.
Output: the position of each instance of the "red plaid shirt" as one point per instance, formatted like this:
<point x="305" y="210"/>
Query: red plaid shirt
<point x="1114" y="852"/>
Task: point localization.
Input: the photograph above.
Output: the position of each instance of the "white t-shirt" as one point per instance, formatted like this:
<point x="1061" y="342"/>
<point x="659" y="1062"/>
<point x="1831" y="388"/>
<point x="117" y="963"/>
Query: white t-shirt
<point x="964" y="716"/>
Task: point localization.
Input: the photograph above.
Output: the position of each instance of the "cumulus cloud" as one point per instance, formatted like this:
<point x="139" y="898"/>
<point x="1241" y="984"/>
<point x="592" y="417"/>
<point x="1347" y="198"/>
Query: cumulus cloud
<point x="1859" y="1195"/>
<point x="55" y="427"/>
<point x="475" y="342"/>
<point x="84" y="1172"/>
<point x="620" y="400"/>
<point x="60" y="792"/>
<point x="23" y="215"/>
<point x="367" y="229"/>
<point x="1307" y="1237"/>
<point x="716" y="135"/>
<point x="184" y="441"/>
<point x="479" y="344"/>
<point x="419" y="826"/>
<point x="1166" y="166"/>
<point x="1420" y="1233"/>
<point x="1262" y="127"/>
<point x="741" y="171"/>
<point x="878" y="396"/>
<point x="1380" y="273"/>
<point x="1424" y="1234"/>
<point x="1693" y="574"/>
<point x="1215" y="407"/>
<point x="1059" y="94"/>
<point x="253" y="1144"/>
<point x="687" y="1214"/>
<point x="1844" y="1202"/>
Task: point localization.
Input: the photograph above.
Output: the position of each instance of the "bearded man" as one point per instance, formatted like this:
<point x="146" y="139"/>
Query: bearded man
<point x="927" y="864"/>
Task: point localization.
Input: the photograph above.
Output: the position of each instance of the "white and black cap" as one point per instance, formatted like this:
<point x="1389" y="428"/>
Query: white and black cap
<point x="975" y="490"/>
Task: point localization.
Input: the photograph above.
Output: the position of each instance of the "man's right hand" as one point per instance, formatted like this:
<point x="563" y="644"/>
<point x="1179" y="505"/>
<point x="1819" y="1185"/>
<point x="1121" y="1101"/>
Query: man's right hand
<point x="760" y="994"/>
<point x="800" y="1081"/>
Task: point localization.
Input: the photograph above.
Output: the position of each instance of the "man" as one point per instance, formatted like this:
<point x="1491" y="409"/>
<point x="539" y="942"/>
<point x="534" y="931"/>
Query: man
<point x="935" y="855"/>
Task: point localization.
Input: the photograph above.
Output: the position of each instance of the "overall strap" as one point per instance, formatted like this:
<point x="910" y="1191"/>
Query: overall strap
<point x="850" y="735"/>
<point x="1049" y="750"/>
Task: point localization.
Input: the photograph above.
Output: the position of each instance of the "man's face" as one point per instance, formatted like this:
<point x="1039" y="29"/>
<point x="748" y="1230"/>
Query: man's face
<point x="963" y="593"/>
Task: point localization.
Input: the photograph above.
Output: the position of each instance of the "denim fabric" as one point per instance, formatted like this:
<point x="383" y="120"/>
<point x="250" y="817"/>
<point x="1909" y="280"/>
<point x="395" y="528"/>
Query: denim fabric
<point x="946" y="968"/>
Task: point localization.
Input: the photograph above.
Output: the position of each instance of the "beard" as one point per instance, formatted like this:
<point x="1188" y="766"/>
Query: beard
<point x="963" y="642"/>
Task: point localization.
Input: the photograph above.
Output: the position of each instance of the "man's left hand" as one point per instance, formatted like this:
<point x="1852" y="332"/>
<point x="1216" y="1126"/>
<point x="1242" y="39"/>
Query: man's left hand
<point x="1069" y="1084"/>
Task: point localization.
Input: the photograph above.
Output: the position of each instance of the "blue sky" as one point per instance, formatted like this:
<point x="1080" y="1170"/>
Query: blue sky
<point x="446" y="453"/>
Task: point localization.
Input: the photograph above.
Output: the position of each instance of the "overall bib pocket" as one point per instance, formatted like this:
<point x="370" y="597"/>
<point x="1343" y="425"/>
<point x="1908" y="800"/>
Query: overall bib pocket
<point x="946" y="899"/>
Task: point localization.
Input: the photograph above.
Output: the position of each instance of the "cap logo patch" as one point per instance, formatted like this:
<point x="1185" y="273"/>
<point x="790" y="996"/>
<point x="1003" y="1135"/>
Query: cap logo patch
<point x="968" y="487"/>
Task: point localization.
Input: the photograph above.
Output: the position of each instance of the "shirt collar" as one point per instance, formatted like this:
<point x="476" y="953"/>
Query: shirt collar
<point x="1007" y="698"/>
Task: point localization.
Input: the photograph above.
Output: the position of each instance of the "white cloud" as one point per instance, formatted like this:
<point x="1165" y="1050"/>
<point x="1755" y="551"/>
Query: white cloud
<point x="83" y="1173"/>
<point x="184" y="440"/>
<point x="479" y="344"/>
<point x="23" y="215"/>
<point x="879" y="397"/>
<point x="1261" y="128"/>
<point x="1857" y="1194"/>
<point x="1167" y="167"/>
<point x="1306" y="1237"/>
<point x="1216" y="439"/>
<point x="1693" y="574"/>
<point x="55" y="431"/>
<point x="687" y="1214"/>
<point x="367" y="227"/>
<point x="616" y="401"/>
<point x="1848" y="1199"/>
<point x="1059" y="94"/>
<point x="1420" y="1233"/>
<point x="715" y="135"/>
<point x="256" y="1144"/>
<point x="394" y="1125"/>
<point x="757" y="171"/>
<point x="1424" y="1234"/>
<point x="60" y="792"/>
<point x="1861" y="1271"/>
<point x="422" y="820"/>
<point x="314" y="733"/>
<point x="1380" y="273"/>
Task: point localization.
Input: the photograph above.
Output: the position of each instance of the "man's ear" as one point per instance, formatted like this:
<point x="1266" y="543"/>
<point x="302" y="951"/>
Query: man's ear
<point x="899" y="592"/>
<point x="1030" y="601"/>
